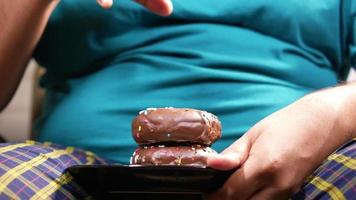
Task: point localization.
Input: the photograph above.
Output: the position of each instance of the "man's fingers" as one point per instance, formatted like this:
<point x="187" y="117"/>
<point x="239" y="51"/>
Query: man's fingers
<point x="269" y="193"/>
<point x="160" y="7"/>
<point x="233" y="156"/>
<point x="225" y="162"/>
<point x="105" y="3"/>
<point x="263" y="194"/>
<point x="243" y="184"/>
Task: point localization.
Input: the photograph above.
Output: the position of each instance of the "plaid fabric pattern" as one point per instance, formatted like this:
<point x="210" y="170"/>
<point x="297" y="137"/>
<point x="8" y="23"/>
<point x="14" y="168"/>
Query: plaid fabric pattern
<point x="36" y="171"/>
<point x="335" y="178"/>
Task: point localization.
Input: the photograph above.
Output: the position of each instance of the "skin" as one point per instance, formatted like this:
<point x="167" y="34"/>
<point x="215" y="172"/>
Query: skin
<point x="273" y="158"/>
<point x="277" y="154"/>
<point x="18" y="40"/>
<point x="159" y="7"/>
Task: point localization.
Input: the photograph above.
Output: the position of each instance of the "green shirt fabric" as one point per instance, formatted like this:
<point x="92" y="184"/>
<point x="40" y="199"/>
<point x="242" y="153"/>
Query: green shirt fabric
<point x="241" y="60"/>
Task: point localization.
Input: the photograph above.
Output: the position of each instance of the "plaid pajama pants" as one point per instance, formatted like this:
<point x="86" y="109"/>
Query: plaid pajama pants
<point x="37" y="171"/>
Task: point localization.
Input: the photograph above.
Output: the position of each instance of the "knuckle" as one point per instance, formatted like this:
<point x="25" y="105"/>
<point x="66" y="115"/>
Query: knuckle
<point x="285" y="188"/>
<point x="286" y="184"/>
<point x="274" y="165"/>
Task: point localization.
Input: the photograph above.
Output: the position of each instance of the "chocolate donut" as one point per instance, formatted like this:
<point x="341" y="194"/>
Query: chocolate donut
<point x="195" y="155"/>
<point x="178" y="125"/>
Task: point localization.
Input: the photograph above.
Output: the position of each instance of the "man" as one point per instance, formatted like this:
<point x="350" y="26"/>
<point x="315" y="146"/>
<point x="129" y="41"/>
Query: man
<point x="242" y="60"/>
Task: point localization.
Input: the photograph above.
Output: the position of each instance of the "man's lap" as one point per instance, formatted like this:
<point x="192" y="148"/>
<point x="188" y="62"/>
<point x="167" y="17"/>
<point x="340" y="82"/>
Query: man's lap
<point x="335" y="178"/>
<point x="37" y="171"/>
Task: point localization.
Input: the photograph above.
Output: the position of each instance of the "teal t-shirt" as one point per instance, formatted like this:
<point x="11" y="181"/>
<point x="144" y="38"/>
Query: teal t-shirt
<point x="241" y="60"/>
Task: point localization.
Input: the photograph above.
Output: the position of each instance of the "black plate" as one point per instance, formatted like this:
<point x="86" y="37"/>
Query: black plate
<point x="147" y="182"/>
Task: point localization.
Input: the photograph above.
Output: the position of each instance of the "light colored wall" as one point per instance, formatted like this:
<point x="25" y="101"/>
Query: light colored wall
<point x="352" y="75"/>
<point x="15" y="120"/>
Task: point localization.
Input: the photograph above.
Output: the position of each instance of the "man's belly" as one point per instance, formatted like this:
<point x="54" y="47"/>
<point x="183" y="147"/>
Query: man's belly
<point x="96" y="112"/>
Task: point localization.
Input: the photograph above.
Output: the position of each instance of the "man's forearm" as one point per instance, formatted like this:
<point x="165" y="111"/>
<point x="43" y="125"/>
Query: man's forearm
<point x="342" y="101"/>
<point x="350" y="108"/>
<point x="22" y="23"/>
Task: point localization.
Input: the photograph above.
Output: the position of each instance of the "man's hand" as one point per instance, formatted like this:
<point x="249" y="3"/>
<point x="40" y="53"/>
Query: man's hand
<point x="160" y="7"/>
<point x="281" y="151"/>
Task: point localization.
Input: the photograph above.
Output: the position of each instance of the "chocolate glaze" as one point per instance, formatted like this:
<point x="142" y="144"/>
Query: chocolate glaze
<point x="175" y="125"/>
<point x="195" y="155"/>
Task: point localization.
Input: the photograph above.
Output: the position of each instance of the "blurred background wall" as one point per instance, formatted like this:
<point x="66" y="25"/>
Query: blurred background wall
<point x="15" y="120"/>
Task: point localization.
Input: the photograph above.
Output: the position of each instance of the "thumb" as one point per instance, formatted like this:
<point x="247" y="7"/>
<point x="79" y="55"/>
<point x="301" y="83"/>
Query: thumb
<point x="232" y="157"/>
<point x="105" y="3"/>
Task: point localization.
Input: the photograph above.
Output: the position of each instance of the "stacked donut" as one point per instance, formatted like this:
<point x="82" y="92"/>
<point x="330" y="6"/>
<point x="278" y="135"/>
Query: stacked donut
<point x="174" y="136"/>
